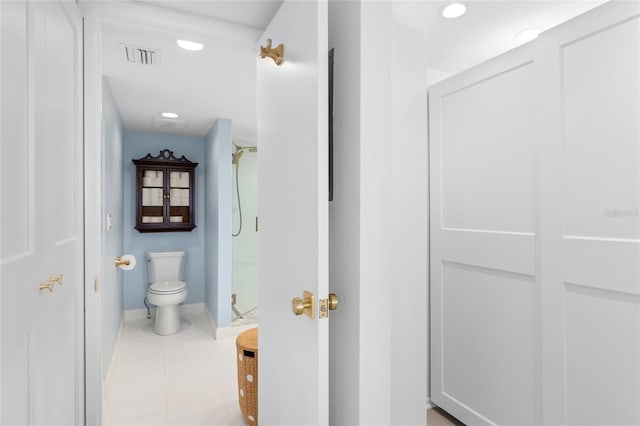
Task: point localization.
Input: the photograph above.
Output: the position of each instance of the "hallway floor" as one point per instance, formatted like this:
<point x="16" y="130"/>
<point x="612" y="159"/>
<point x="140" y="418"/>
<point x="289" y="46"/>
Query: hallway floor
<point x="185" y="379"/>
<point x="188" y="379"/>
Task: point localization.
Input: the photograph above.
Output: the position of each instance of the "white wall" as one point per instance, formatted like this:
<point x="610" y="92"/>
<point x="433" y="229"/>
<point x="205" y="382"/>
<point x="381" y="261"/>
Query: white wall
<point x="376" y="274"/>
<point x="218" y="222"/>
<point x="378" y="219"/>
<point x="410" y="213"/>
<point x="112" y="294"/>
<point x="434" y="76"/>
<point x="344" y="214"/>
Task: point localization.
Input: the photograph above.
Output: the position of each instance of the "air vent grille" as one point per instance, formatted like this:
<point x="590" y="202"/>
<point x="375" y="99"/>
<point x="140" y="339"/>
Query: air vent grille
<point x="141" y="55"/>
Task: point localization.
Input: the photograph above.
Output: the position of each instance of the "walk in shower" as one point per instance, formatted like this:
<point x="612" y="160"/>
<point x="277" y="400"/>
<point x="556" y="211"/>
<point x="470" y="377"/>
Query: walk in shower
<point x="245" y="238"/>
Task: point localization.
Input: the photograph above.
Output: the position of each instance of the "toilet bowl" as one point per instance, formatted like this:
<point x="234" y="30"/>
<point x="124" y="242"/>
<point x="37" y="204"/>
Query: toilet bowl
<point x="166" y="289"/>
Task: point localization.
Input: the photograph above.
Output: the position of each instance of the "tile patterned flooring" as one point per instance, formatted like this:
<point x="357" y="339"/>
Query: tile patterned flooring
<point x="188" y="379"/>
<point x="185" y="379"/>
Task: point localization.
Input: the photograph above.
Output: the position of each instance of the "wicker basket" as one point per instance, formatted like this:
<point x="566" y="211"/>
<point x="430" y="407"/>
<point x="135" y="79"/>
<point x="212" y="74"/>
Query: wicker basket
<point x="247" y="356"/>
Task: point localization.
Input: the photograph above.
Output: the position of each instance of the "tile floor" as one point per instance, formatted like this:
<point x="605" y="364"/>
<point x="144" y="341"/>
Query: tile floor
<point x="185" y="379"/>
<point x="188" y="379"/>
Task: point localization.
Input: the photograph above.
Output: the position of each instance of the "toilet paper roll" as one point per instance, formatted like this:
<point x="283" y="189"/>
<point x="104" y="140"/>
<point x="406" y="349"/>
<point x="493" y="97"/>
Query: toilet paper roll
<point x="132" y="262"/>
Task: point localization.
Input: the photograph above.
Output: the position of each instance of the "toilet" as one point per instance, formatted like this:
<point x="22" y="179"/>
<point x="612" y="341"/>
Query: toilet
<point x="166" y="288"/>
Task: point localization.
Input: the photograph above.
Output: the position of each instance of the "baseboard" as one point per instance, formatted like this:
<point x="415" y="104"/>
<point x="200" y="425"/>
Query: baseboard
<point x="136" y="314"/>
<point x="229" y="332"/>
<point x="113" y="365"/>
<point x="191" y="308"/>
<point x="429" y="404"/>
<point x="218" y="332"/>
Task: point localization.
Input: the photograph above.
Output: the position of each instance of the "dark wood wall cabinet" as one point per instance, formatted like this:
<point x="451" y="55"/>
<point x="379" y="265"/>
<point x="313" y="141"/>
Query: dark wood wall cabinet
<point x="165" y="187"/>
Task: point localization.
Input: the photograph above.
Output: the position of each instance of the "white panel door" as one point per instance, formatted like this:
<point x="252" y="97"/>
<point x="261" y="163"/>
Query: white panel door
<point x="483" y="243"/>
<point x="293" y="209"/>
<point x="42" y="334"/>
<point x="589" y="142"/>
<point x="22" y="238"/>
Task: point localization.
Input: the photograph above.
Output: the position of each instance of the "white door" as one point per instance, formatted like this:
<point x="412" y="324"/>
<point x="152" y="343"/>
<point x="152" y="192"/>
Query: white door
<point x="42" y="222"/>
<point x="483" y="243"/>
<point x="589" y="109"/>
<point x="293" y="210"/>
<point x="535" y="162"/>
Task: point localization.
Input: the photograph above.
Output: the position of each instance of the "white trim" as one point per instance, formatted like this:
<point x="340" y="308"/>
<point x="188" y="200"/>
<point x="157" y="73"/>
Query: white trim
<point x="222" y="333"/>
<point x="190" y="308"/>
<point x="113" y="365"/>
<point x="430" y="404"/>
<point x="135" y="314"/>
<point x="152" y="17"/>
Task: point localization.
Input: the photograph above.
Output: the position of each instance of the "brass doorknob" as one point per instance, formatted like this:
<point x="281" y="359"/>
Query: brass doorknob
<point x="298" y="305"/>
<point x="304" y="305"/>
<point x="333" y="301"/>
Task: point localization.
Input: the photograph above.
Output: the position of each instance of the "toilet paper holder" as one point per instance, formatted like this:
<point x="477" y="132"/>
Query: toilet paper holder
<point x="126" y="262"/>
<point x="122" y="262"/>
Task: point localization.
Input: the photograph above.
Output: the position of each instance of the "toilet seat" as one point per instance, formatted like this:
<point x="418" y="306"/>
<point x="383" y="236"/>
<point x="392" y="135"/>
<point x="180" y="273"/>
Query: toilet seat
<point x="167" y="287"/>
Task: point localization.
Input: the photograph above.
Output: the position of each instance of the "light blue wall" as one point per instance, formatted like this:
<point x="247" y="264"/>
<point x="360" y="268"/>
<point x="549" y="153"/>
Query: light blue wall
<point x="137" y="145"/>
<point x="112" y="300"/>
<point x="218" y="231"/>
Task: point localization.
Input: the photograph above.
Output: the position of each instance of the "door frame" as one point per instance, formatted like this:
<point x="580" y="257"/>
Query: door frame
<point x="96" y="17"/>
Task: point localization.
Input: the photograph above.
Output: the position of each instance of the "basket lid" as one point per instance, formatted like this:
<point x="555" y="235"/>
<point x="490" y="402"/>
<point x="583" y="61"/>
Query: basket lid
<point x="248" y="339"/>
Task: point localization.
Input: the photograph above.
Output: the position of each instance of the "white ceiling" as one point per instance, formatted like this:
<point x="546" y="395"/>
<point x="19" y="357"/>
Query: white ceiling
<point x="487" y="29"/>
<point x="219" y="81"/>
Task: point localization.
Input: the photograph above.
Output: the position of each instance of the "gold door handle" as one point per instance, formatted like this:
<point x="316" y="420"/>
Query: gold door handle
<point x="305" y="305"/>
<point x="48" y="286"/>
<point x="333" y="301"/>
<point x="56" y="279"/>
<point x="328" y="304"/>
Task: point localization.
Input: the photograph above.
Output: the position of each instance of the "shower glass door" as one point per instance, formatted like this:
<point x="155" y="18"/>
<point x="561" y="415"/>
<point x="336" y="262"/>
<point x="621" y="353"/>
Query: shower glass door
<point x="245" y="237"/>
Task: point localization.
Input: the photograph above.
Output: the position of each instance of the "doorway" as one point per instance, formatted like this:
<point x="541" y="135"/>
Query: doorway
<point x="134" y="55"/>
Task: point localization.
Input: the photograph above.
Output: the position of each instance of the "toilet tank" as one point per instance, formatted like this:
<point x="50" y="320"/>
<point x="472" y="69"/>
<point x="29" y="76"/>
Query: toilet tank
<point x="165" y="265"/>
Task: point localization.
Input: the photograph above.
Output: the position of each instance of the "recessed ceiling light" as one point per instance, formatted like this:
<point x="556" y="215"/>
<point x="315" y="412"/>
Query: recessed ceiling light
<point x="169" y="115"/>
<point x="528" y="34"/>
<point x="454" y="10"/>
<point x="190" y="45"/>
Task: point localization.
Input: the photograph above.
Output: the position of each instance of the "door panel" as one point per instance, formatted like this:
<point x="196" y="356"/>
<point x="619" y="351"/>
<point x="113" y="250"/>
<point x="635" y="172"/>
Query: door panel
<point x="21" y="237"/>
<point x="42" y="347"/>
<point x="61" y="129"/>
<point x="293" y="210"/>
<point x="483" y="243"/>
<point x="589" y="106"/>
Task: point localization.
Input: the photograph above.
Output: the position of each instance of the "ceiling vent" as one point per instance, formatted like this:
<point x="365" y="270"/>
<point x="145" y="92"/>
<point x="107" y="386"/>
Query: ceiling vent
<point x="168" y="123"/>
<point x="141" y="55"/>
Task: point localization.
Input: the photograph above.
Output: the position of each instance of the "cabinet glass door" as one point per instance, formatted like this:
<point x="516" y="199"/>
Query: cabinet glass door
<point x="179" y="197"/>
<point x="153" y="196"/>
